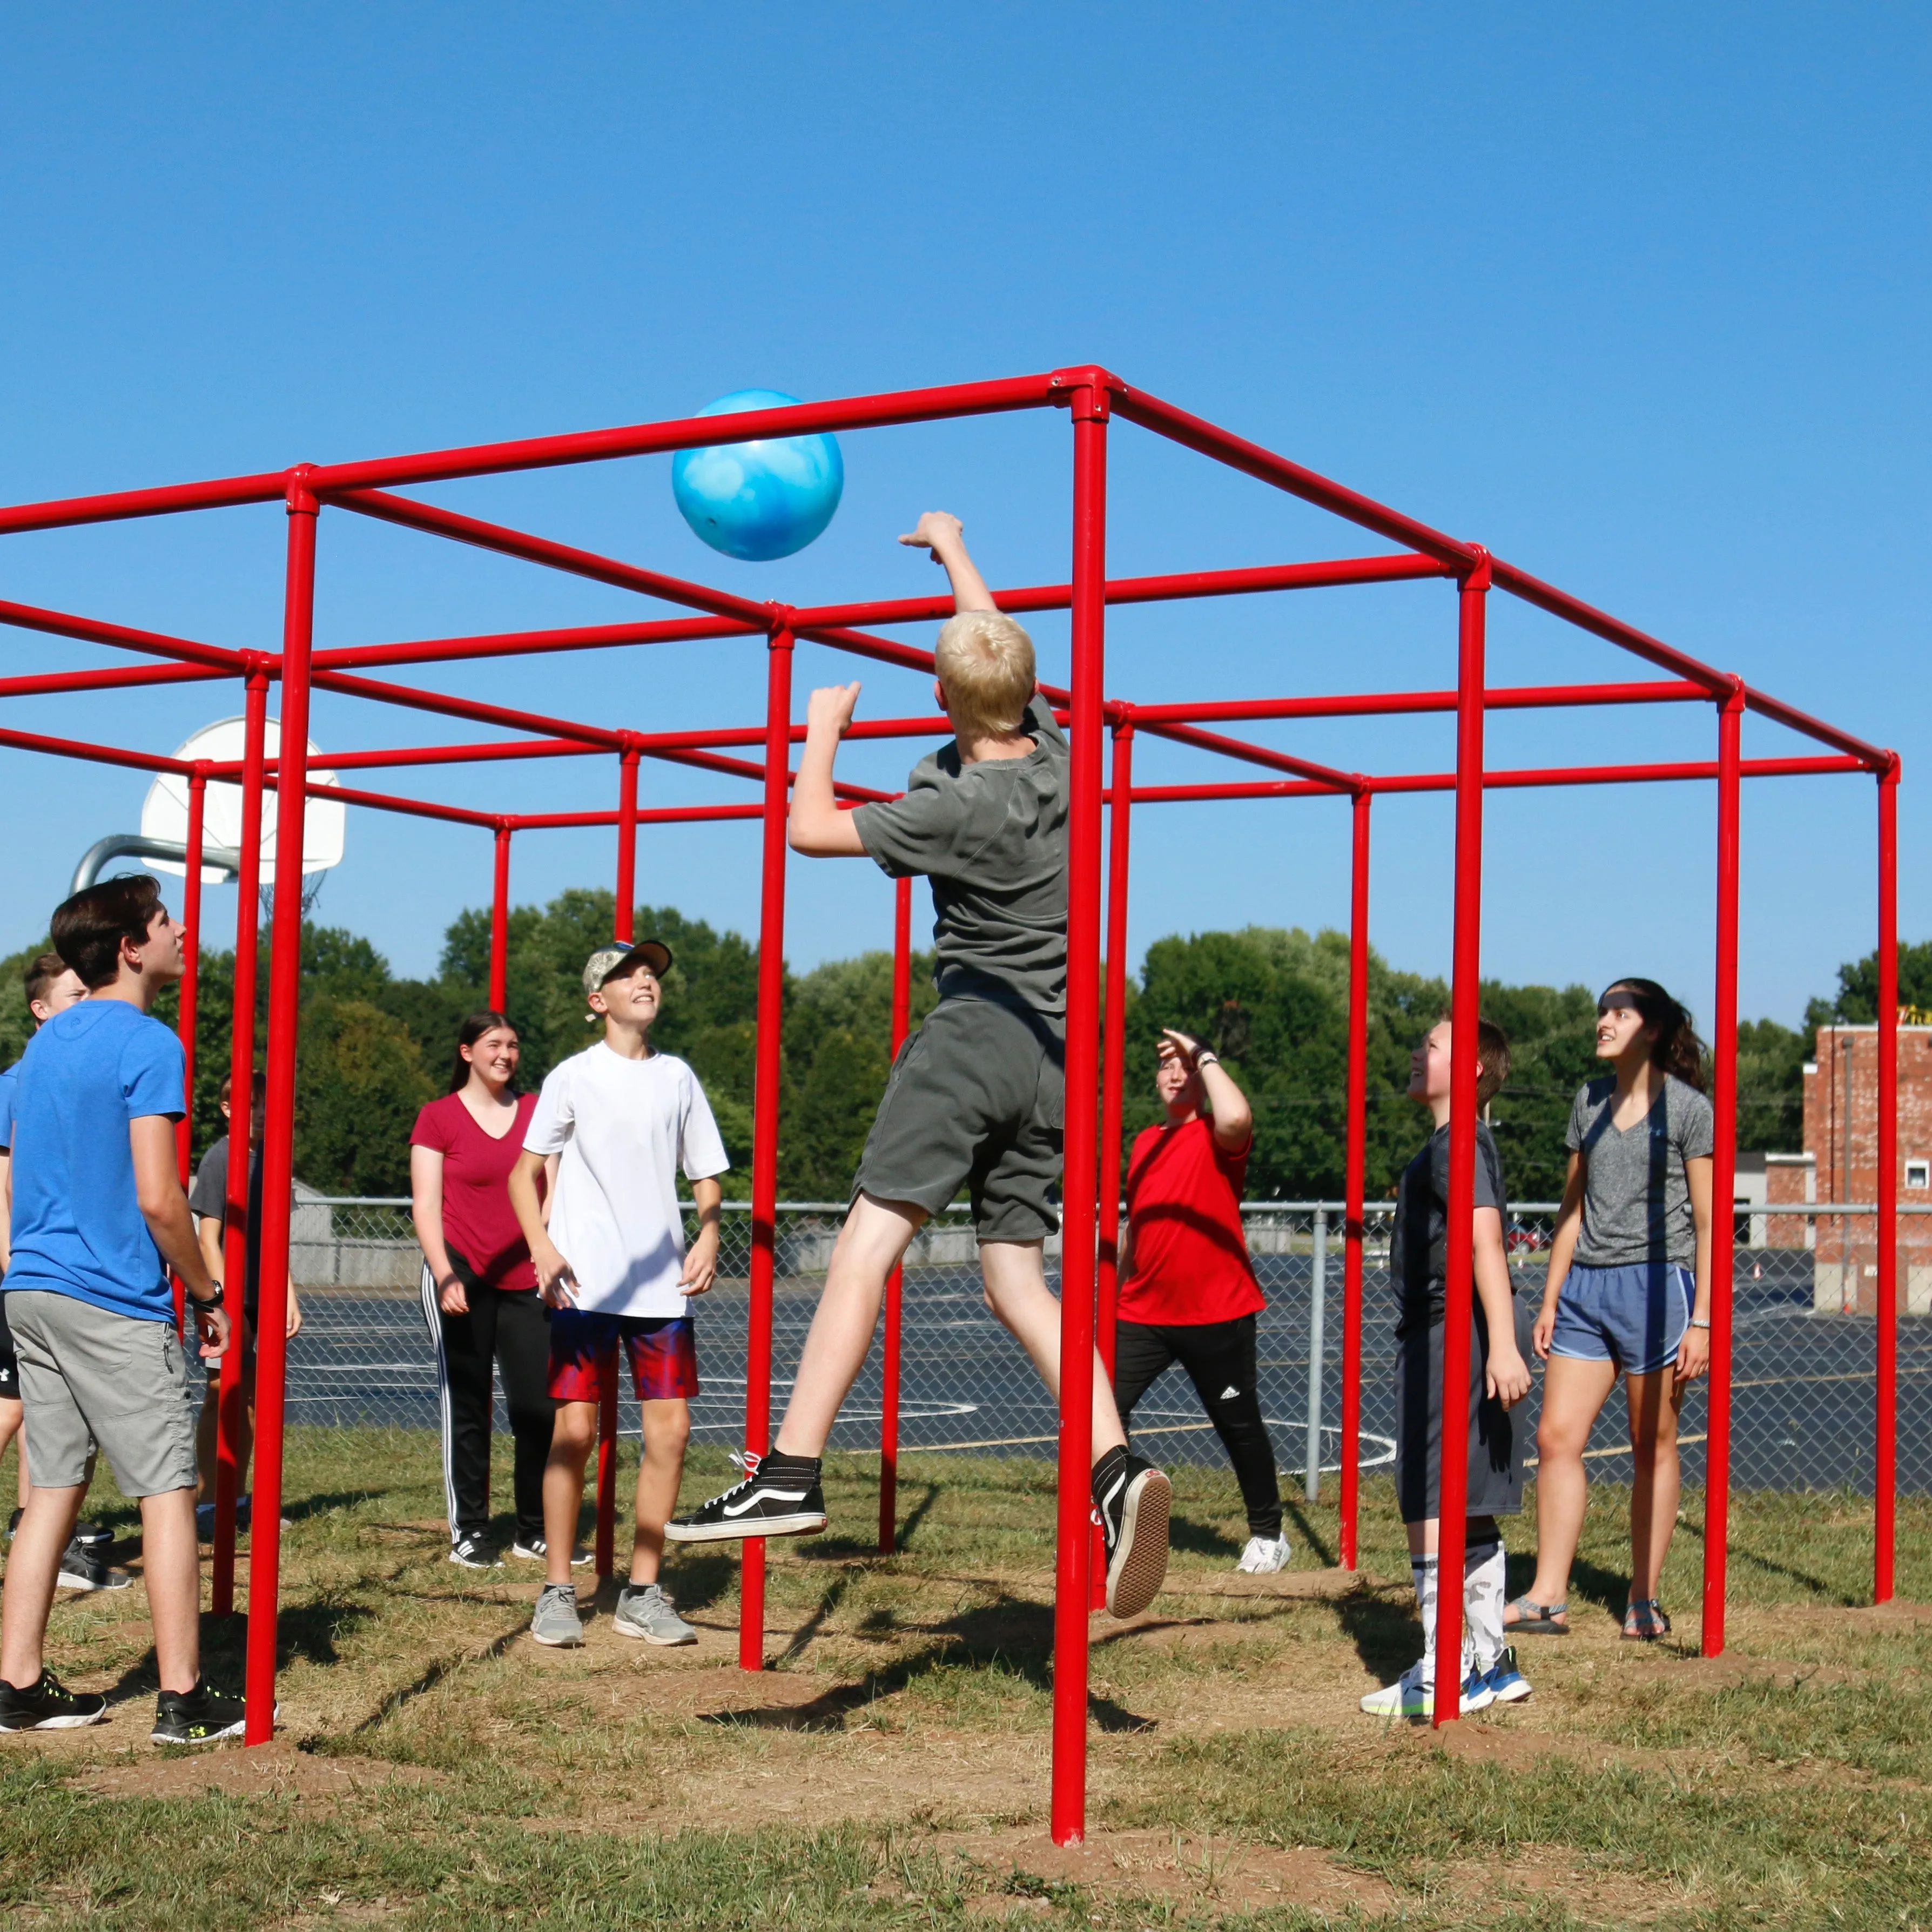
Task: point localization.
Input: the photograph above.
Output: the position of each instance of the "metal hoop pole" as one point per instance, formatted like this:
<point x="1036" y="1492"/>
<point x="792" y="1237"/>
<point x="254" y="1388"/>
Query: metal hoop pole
<point x="1357" y="1158"/>
<point x="891" y="1346"/>
<point x="197" y="803"/>
<point x="1884" y="1459"/>
<point x="500" y="924"/>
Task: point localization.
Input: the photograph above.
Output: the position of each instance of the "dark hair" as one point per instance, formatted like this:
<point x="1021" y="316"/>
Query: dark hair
<point x="89" y="929"/>
<point x="39" y="978"/>
<point x="258" y="1087"/>
<point x="468" y="1034"/>
<point x="1677" y="1049"/>
<point x="1493" y="1056"/>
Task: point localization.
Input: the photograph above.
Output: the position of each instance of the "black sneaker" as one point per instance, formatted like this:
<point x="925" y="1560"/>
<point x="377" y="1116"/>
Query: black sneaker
<point x="49" y="1705"/>
<point x="1133" y="1501"/>
<point x="197" y="1717"/>
<point x="473" y="1553"/>
<point x="84" y="1569"/>
<point x="780" y="1496"/>
<point x="88" y="1535"/>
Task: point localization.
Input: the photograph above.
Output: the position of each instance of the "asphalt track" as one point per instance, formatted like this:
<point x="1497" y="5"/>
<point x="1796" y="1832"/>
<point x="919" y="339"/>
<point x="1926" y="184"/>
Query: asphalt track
<point x="1802" y="1413"/>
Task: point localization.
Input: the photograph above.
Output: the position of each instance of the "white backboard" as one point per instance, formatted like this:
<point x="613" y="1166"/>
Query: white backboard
<point x="164" y="813"/>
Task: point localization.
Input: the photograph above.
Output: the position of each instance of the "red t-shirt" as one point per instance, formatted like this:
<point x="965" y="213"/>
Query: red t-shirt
<point x="477" y="1220"/>
<point x="1189" y="1255"/>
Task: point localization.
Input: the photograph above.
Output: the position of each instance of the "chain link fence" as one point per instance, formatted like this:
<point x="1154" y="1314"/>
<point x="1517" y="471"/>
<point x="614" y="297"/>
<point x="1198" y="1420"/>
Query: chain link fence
<point x="1803" y="1353"/>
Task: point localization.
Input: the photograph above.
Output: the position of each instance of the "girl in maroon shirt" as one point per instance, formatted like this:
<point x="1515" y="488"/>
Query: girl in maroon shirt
<point x="479" y="1288"/>
<point x="1188" y="1292"/>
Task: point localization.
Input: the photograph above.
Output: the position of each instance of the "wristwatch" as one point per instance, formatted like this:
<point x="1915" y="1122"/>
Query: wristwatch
<point x="1206" y="1057"/>
<point x="213" y="1301"/>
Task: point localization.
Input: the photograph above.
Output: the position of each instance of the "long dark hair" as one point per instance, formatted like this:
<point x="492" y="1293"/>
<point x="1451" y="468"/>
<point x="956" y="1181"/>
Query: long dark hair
<point x="468" y="1034"/>
<point x="1677" y="1049"/>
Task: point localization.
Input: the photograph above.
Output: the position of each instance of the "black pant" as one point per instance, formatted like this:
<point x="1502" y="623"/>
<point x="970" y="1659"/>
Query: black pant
<point x="511" y="1328"/>
<point x="1219" y="1359"/>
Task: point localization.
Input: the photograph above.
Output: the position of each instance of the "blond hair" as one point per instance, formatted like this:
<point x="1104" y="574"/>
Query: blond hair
<point x="986" y="667"/>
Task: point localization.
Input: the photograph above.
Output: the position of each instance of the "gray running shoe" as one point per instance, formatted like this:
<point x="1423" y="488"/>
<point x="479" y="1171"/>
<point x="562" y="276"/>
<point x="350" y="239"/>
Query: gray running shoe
<point x="644" y="1611"/>
<point x="557" y="1622"/>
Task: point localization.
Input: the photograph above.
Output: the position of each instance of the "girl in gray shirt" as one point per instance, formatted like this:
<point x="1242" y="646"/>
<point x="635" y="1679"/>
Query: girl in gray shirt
<point x="1628" y="1293"/>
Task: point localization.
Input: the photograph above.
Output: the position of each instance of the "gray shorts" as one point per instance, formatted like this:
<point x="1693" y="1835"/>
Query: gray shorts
<point x="89" y="1376"/>
<point x="1496" y="1434"/>
<point x="977" y="1099"/>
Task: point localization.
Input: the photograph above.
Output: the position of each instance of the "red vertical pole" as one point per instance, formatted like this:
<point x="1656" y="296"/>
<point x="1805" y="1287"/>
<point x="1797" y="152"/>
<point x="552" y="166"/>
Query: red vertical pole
<point x="278" y="1131"/>
<point x="499" y="925"/>
<point x="1357" y="1159"/>
<point x="197" y="803"/>
<point x="1077" y="1219"/>
<point x="230" y="1396"/>
<point x="1885" y="1471"/>
<point x="890" y="1347"/>
<point x="1465" y="1009"/>
<point x="769" y="1067"/>
<point x="1723" y="1177"/>
<point x="1113" y="1051"/>
<point x="623" y="929"/>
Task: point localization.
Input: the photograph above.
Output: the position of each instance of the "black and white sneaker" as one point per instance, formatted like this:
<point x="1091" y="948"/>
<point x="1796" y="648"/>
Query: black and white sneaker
<point x="780" y="1496"/>
<point x="197" y="1717"/>
<point x="84" y="1569"/>
<point x="536" y="1550"/>
<point x="88" y="1535"/>
<point x="49" y="1705"/>
<point x="472" y="1552"/>
<point x="1132" y="1498"/>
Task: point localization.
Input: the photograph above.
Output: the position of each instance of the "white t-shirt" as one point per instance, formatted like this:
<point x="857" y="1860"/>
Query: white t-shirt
<point x="623" y="1128"/>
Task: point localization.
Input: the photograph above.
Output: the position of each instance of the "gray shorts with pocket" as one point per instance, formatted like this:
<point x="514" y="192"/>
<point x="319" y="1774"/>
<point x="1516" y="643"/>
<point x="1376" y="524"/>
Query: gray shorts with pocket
<point x="977" y="1099"/>
<point x="88" y="1376"/>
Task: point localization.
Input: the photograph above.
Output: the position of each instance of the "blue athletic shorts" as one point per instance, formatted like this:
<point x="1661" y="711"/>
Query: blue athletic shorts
<point x="1634" y="1316"/>
<point x="584" y="1346"/>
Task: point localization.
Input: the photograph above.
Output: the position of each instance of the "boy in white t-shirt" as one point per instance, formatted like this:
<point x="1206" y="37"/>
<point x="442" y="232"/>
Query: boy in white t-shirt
<point x="612" y="1266"/>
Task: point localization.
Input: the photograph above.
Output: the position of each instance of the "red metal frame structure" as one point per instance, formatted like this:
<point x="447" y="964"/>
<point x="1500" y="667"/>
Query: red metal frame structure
<point x="1094" y="399"/>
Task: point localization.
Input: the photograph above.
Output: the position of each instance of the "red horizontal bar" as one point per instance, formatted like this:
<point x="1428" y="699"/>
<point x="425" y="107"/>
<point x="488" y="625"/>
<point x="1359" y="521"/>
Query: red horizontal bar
<point x="1374" y="704"/>
<point x="434" y="755"/>
<point x="111" y="677"/>
<point x="496" y="459"/>
<point x="223" y="493"/>
<point x="1874" y="757"/>
<point x="412" y="700"/>
<point x="1253" y="754"/>
<point x="1588" y="774"/>
<point x="669" y="815"/>
<point x="91" y="754"/>
<point x="1204" y="793"/>
<point x="90" y="630"/>
<point x="379" y="801"/>
<point x="1142" y="589"/>
<point x="519" y="544"/>
<point x="534" y="643"/>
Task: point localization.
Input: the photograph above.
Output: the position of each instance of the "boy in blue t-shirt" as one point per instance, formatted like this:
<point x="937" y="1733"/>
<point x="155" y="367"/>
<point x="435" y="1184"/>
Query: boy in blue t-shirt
<point x="99" y="1215"/>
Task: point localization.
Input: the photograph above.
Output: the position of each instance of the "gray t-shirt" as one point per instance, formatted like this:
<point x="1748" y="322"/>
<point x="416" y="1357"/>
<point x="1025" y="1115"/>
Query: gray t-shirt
<point x="1636" y="1196"/>
<point x="1418" y="1262"/>
<point x="992" y="837"/>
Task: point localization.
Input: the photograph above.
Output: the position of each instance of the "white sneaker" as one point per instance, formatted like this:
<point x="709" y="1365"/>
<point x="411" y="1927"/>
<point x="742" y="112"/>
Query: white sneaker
<point x="1264" y="1554"/>
<point x="1412" y="1696"/>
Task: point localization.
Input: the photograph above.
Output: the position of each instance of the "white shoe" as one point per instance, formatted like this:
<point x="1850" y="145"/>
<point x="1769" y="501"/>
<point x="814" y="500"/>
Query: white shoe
<point x="1265" y="1555"/>
<point x="1412" y="1696"/>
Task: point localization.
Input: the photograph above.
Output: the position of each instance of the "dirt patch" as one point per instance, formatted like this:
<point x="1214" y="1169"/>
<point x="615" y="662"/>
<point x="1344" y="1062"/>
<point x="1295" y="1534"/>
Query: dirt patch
<point x="1733" y="1673"/>
<point x="1165" y="1865"/>
<point x="267" y="1771"/>
<point x="1514" y="1749"/>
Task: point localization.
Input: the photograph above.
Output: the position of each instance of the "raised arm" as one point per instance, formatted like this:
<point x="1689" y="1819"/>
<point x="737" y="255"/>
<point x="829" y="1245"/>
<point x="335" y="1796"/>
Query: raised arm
<point x="816" y="827"/>
<point x="1233" y="1122"/>
<point x="942" y="533"/>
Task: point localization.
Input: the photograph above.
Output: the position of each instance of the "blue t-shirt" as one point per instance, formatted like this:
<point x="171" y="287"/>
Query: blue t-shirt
<point x="9" y="1086"/>
<point x="78" y="1227"/>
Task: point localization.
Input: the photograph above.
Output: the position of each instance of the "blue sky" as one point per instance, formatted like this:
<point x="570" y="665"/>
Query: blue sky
<point x="1635" y="296"/>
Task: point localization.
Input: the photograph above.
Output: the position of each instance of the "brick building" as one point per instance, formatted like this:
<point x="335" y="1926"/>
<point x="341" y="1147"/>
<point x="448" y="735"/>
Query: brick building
<point x="1841" y="1141"/>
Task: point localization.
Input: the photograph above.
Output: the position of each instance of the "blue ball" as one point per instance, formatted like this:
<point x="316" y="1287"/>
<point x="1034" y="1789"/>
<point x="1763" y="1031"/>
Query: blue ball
<point x="758" y="500"/>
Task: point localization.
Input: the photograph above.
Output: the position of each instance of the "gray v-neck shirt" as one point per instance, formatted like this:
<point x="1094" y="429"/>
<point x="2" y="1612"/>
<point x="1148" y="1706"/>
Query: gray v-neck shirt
<point x="1636" y="1196"/>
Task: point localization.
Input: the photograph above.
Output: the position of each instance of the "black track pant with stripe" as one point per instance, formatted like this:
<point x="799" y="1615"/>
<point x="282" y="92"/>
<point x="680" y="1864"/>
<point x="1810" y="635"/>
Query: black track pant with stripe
<point x="507" y="1330"/>
<point x="1219" y="1357"/>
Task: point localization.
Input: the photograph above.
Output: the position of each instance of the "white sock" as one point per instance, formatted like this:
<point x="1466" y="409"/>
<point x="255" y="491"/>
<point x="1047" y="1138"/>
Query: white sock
<point x="1422" y="1574"/>
<point x="1483" y="1588"/>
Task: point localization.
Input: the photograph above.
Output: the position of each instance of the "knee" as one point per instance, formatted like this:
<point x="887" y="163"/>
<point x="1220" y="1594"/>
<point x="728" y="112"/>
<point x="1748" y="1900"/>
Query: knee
<point x="667" y="1437"/>
<point x="574" y="1431"/>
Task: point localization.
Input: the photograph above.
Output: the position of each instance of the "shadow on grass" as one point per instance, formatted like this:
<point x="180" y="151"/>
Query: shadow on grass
<point x="1011" y="1633"/>
<point x="442" y="1667"/>
<point x="1387" y="1635"/>
<point x="1740" y="1553"/>
<point x="1198" y="1539"/>
<point x="1312" y="1538"/>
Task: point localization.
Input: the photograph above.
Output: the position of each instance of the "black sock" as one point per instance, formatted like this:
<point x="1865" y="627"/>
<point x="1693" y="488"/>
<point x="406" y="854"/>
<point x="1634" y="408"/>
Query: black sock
<point x="1108" y="1470"/>
<point x="779" y="1464"/>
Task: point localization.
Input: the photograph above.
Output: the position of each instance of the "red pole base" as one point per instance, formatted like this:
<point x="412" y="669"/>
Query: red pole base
<point x="607" y="1476"/>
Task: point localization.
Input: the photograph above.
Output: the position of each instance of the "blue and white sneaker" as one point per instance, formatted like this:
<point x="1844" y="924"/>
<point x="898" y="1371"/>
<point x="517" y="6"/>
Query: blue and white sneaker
<point x="1507" y="1684"/>
<point x="1411" y="1695"/>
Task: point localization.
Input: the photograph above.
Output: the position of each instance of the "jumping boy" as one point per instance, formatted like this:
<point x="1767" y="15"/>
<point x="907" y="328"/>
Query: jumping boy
<point x="1498" y="1379"/>
<point x="622" y="1118"/>
<point x="51" y="986"/>
<point x="976" y="1097"/>
<point x="98" y="1217"/>
<point x="208" y="1199"/>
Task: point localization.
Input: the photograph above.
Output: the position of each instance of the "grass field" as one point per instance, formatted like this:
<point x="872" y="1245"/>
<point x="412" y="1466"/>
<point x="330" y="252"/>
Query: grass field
<point x="890" y="1768"/>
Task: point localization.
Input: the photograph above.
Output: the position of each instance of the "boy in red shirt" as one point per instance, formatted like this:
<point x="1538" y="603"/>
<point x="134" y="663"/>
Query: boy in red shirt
<point x="1188" y="1292"/>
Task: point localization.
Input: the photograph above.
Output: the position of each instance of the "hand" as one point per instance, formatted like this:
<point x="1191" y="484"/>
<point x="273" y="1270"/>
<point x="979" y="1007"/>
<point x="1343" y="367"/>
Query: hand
<point x="1693" y="1354"/>
<point x="451" y="1296"/>
<point x="211" y="1324"/>
<point x="1508" y="1377"/>
<point x="937" y="530"/>
<point x="830" y="709"/>
<point x="555" y="1282"/>
<point x="1175" y="1045"/>
<point x="701" y="1263"/>
<point x="292" y="1325"/>
<point x="1546" y="1326"/>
